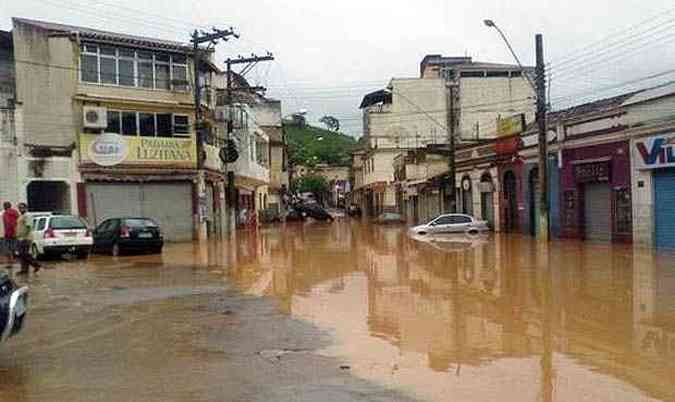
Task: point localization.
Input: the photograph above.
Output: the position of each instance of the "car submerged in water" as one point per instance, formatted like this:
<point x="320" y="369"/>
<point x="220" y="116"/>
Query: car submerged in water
<point x="452" y="223"/>
<point x="13" y="307"/>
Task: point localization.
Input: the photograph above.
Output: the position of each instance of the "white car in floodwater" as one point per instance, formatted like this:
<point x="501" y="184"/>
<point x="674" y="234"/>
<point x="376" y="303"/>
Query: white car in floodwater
<point x="13" y="307"/>
<point x="452" y="223"/>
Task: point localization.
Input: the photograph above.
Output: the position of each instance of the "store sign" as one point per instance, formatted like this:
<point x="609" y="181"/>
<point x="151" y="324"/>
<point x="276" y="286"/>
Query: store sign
<point x="507" y="146"/>
<point x="592" y="172"/>
<point x="108" y="149"/>
<point x="111" y="149"/>
<point x="655" y="152"/>
<point x="509" y="126"/>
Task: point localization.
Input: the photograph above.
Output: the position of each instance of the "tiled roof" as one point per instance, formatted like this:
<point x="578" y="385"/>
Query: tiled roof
<point x="96" y="34"/>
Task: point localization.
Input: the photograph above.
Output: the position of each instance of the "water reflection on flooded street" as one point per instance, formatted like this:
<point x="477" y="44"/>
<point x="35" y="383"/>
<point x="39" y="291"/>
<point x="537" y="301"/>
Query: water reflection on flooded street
<point x="501" y="318"/>
<point x="352" y="312"/>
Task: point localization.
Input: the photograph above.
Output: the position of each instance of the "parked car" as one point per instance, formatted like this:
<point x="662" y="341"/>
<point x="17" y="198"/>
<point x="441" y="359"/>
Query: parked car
<point x="56" y="235"/>
<point x="121" y="235"/>
<point x="13" y="307"/>
<point x="452" y="223"/>
<point x="389" y="217"/>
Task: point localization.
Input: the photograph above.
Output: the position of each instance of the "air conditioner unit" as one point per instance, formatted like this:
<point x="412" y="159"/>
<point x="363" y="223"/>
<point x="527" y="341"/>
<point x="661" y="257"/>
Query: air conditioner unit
<point x="95" y="117"/>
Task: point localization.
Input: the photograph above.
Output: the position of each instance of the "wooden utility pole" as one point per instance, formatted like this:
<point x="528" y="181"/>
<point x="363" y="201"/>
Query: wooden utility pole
<point x="452" y="196"/>
<point x="197" y="39"/>
<point x="543" y="231"/>
<point x="250" y="63"/>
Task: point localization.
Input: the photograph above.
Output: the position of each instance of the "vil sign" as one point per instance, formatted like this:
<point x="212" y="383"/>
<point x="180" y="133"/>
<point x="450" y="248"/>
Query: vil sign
<point x="655" y="152"/>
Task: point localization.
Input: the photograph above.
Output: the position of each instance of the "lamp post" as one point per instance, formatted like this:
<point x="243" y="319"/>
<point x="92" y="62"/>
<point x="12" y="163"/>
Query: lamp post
<point x="540" y="90"/>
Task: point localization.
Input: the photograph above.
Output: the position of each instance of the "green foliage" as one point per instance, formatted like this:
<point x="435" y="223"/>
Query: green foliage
<point x="310" y="184"/>
<point x="311" y="145"/>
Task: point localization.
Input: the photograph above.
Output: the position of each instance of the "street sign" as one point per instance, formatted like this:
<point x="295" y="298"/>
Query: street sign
<point x="229" y="153"/>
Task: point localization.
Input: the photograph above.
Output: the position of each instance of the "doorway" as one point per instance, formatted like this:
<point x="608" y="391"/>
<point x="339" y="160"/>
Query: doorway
<point x="510" y="202"/>
<point x="48" y="196"/>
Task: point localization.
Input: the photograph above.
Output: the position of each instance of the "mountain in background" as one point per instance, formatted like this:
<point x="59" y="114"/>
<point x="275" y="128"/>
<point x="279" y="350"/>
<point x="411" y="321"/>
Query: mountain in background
<point x="309" y="145"/>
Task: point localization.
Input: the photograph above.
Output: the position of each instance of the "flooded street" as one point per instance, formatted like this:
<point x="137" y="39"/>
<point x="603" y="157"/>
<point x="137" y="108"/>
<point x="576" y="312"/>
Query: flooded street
<point x="349" y="312"/>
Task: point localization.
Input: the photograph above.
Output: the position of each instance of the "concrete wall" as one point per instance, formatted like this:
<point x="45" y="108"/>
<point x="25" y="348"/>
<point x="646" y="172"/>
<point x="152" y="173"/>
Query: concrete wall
<point x="415" y="118"/>
<point x="267" y="113"/>
<point x="482" y="100"/>
<point x="379" y="167"/>
<point x="46" y="81"/>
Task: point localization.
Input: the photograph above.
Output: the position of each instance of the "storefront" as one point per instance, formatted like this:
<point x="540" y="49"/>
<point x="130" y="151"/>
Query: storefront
<point x="654" y="177"/>
<point x="596" y="193"/>
<point x="136" y="176"/>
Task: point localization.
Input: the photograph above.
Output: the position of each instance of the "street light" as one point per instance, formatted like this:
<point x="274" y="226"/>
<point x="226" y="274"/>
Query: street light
<point x="491" y="24"/>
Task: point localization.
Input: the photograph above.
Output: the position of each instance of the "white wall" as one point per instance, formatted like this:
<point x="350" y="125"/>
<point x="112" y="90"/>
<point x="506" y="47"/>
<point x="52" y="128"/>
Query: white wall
<point x="482" y="100"/>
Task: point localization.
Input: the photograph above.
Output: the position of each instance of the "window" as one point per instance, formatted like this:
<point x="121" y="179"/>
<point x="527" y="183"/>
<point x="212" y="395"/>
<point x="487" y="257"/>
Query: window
<point x="164" y="128"/>
<point x="497" y="73"/>
<point x="444" y="220"/>
<point x="66" y="223"/>
<point x="128" y="67"/>
<point x="181" y="125"/>
<point x="146" y="76"/>
<point x="126" y="72"/>
<point x="472" y="74"/>
<point x="40" y="225"/>
<point x="146" y="122"/>
<point x="129" y="126"/>
<point x="113" y="122"/>
<point x="89" y="68"/>
<point x="458" y="219"/>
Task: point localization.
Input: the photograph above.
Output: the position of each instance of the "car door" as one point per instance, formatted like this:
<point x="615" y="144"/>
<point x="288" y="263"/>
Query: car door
<point x="442" y="224"/>
<point x="460" y="223"/>
<point x="103" y="235"/>
<point x="39" y="227"/>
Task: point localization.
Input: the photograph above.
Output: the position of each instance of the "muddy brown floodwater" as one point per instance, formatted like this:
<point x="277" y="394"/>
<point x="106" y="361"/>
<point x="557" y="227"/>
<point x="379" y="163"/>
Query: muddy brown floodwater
<point x="349" y="312"/>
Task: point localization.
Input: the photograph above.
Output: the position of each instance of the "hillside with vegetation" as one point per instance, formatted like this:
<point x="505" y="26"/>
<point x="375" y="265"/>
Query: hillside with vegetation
<point x="309" y="145"/>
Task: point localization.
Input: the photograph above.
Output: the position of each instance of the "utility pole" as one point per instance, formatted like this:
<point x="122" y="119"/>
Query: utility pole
<point x="198" y="38"/>
<point x="452" y="196"/>
<point x="543" y="140"/>
<point x="250" y="63"/>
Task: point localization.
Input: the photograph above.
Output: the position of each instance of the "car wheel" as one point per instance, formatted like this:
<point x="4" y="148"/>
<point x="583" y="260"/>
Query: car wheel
<point x="34" y="252"/>
<point x="115" y="250"/>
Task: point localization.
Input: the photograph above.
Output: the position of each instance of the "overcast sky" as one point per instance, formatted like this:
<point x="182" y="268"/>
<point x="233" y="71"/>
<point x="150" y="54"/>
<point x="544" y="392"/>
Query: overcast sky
<point x="330" y="53"/>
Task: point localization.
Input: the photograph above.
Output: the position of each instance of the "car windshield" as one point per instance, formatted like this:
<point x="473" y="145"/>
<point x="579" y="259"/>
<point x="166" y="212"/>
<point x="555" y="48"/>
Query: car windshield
<point x="67" y="222"/>
<point x="140" y="223"/>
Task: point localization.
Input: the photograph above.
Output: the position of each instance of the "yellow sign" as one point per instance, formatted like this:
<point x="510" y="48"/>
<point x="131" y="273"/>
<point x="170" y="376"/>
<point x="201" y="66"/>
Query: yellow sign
<point x="509" y="126"/>
<point x="109" y="149"/>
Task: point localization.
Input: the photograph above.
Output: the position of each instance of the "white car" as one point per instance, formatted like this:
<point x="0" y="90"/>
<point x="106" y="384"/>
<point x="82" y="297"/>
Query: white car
<point x="452" y="223"/>
<point x="56" y="235"/>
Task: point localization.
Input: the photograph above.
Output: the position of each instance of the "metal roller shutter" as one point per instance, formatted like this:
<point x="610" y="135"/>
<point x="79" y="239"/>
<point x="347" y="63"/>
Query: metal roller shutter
<point x="169" y="204"/>
<point x="597" y="207"/>
<point x="664" y="208"/>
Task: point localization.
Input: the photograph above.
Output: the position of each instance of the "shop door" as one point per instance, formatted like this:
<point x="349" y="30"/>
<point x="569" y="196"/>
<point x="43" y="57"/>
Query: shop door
<point x="597" y="212"/>
<point x="664" y="208"/>
<point x="169" y="204"/>
<point x="511" y="202"/>
<point x="487" y="206"/>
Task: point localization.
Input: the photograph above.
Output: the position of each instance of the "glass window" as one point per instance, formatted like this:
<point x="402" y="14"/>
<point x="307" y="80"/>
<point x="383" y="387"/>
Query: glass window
<point x="162" y="76"/>
<point x="179" y="59"/>
<point x="129" y="123"/>
<point x="126" y="72"/>
<point x="113" y="122"/>
<point x="146" y="75"/>
<point x="89" y="48"/>
<point x="126" y="52"/>
<point x="164" y="128"/>
<point x="162" y="57"/>
<point x="144" y="55"/>
<point x="108" y="70"/>
<point x="66" y="223"/>
<point x="89" y="66"/>
<point x="40" y="225"/>
<point x="140" y="223"/>
<point x="461" y="219"/>
<point x="108" y="51"/>
<point x="146" y="121"/>
<point x="181" y="125"/>
<point x="180" y="77"/>
<point x="444" y="220"/>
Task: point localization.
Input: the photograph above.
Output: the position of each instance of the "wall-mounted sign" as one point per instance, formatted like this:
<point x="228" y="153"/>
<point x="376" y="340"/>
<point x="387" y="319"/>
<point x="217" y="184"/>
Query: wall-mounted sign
<point x="110" y="149"/>
<point x="655" y="152"/>
<point x="507" y="146"/>
<point x="592" y="172"/>
<point x="508" y="126"/>
<point x="466" y="184"/>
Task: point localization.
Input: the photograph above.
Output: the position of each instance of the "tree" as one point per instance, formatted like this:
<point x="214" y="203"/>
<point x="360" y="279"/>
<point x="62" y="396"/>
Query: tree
<point x="331" y="122"/>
